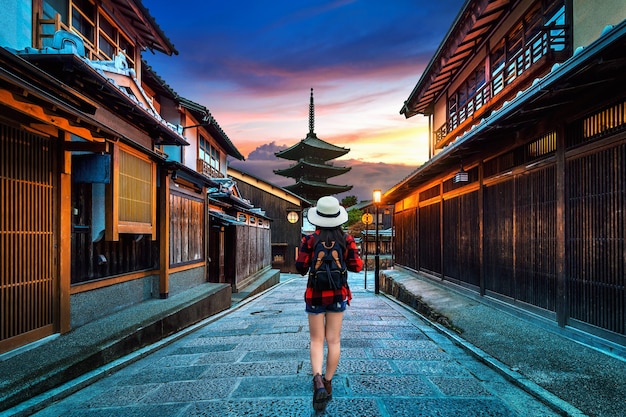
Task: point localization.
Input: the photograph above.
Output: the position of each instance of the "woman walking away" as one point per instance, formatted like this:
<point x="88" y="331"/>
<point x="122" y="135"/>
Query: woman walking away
<point x="326" y="255"/>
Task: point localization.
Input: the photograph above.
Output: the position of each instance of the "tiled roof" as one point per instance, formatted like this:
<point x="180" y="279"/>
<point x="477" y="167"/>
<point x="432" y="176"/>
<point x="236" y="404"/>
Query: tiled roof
<point x="312" y="145"/>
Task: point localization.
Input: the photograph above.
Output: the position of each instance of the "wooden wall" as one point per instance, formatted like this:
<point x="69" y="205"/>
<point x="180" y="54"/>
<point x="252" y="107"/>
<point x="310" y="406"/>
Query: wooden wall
<point x="285" y="236"/>
<point x="28" y="241"/>
<point x="508" y="236"/>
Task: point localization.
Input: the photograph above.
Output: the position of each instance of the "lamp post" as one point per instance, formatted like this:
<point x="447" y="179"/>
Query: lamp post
<point x="376" y="197"/>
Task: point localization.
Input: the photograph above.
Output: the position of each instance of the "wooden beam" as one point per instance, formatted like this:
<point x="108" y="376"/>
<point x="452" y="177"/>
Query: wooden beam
<point x="65" y="229"/>
<point x="97" y="147"/>
<point x="38" y="112"/>
<point x="42" y="128"/>
<point x="112" y="194"/>
<point x="164" y="232"/>
<point x="562" y="291"/>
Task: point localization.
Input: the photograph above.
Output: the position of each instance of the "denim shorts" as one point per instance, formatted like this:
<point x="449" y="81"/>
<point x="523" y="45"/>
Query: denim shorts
<point x="331" y="308"/>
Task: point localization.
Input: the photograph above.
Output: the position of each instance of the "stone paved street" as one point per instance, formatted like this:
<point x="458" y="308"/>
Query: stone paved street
<point x="254" y="361"/>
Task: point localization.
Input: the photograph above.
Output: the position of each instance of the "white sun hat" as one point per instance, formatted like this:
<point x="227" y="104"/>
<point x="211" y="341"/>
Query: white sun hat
<point x="327" y="213"/>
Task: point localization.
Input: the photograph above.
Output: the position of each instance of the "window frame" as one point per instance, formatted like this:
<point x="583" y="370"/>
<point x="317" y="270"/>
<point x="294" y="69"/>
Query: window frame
<point x="98" y="33"/>
<point x="209" y="153"/>
<point x="115" y="225"/>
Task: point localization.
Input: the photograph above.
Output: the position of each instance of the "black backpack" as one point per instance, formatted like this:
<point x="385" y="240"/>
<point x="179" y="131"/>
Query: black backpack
<point x="328" y="267"/>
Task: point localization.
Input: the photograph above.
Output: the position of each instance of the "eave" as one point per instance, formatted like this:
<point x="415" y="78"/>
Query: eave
<point x="305" y="168"/>
<point x="594" y="71"/>
<point x="78" y="74"/>
<point x="189" y="174"/>
<point x="312" y="145"/>
<point x="315" y="186"/>
<point x="137" y="20"/>
<point x="41" y="98"/>
<point x="262" y="184"/>
<point x="476" y="20"/>
<point x="208" y="122"/>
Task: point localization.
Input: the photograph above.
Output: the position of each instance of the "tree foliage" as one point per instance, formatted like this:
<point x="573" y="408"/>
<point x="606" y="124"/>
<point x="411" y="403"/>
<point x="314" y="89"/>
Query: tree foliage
<point x="354" y="216"/>
<point x="349" y="201"/>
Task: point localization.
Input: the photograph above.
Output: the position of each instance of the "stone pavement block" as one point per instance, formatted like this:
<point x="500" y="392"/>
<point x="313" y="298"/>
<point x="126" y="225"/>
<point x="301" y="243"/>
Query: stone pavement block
<point x="366" y="367"/>
<point x="459" y="387"/>
<point x="415" y="354"/>
<point x="296" y="407"/>
<point x="279" y="330"/>
<point x="275" y="355"/>
<point x="410" y="344"/>
<point x="159" y="374"/>
<point x="220" y="358"/>
<point x="353" y="353"/>
<point x="191" y="390"/>
<point x="366" y="334"/>
<point x="274" y="387"/>
<point x="253" y="369"/>
<point x="449" y="368"/>
<point x="179" y="360"/>
<point x="353" y="407"/>
<point x="348" y="342"/>
<point x="447" y="407"/>
<point x="389" y="386"/>
<point x="276" y="343"/>
<point x="136" y="411"/>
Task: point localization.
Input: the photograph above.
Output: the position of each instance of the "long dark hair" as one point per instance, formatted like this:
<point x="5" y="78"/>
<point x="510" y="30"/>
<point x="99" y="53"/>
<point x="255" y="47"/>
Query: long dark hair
<point x="328" y="234"/>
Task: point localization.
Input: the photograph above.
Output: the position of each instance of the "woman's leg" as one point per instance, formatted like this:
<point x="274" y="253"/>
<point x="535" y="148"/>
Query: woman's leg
<point x="317" y="333"/>
<point x="333" y="339"/>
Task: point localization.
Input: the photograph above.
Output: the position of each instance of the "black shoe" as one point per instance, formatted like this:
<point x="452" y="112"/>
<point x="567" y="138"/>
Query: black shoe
<point x="320" y="395"/>
<point x="329" y="388"/>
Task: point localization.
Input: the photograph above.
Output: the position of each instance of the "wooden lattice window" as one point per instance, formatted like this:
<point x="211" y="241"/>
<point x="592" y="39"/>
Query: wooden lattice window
<point x="132" y="195"/>
<point x="605" y="121"/>
<point x="543" y="146"/>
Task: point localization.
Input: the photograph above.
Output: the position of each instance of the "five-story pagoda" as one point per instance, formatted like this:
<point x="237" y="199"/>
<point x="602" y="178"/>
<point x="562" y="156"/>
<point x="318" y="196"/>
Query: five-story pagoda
<point x="312" y="168"/>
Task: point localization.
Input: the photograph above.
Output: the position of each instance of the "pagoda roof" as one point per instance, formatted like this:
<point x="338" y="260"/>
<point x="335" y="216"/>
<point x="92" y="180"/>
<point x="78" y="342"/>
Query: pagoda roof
<point x="307" y="168"/>
<point x="312" y="145"/>
<point x="313" y="190"/>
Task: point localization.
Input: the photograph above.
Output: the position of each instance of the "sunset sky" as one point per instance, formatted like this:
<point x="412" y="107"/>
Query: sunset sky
<point x="253" y="64"/>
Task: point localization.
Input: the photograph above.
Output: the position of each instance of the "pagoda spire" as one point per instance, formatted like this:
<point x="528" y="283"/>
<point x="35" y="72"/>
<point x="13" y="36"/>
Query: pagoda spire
<point x="311" y="169"/>
<point x="311" y="115"/>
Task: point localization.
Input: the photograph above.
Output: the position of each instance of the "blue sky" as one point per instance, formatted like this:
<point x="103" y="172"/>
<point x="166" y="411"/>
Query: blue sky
<point x="253" y="63"/>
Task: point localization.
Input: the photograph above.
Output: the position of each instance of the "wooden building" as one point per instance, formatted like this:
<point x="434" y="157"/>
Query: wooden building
<point x="186" y="187"/>
<point x="284" y="209"/>
<point x="240" y="236"/>
<point x="522" y="198"/>
<point x="104" y="170"/>
<point x="311" y="169"/>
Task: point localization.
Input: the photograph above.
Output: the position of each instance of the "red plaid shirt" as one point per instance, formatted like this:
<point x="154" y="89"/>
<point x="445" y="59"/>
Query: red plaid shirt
<point x="315" y="297"/>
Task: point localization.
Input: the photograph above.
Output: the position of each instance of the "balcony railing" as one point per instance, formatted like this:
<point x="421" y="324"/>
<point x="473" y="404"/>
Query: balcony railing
<point x="208" y="170"/>
<point x="546" y="44"/>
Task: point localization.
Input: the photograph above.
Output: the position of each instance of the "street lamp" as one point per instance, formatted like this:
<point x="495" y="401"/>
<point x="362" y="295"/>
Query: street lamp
<point x="292" y="217"/>
<point x="376" y="197"/>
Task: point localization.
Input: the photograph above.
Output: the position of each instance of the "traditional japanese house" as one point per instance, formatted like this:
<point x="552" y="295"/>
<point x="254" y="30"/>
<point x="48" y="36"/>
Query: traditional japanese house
<point x="241" y="236"/>
<point x="312" y="169"/>
<point x="94" y="210"/>
<point x="190" y="170"/>
<point x="285" y="210"/>
<point x="522" y="199"/>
